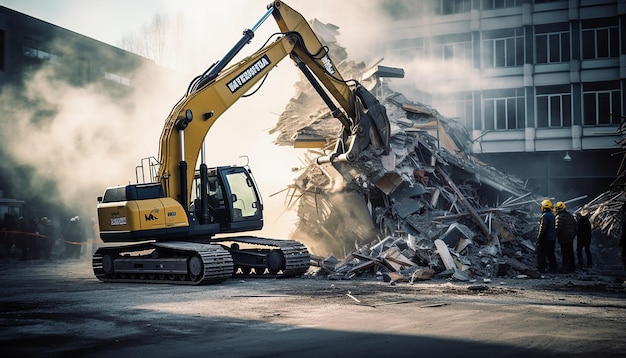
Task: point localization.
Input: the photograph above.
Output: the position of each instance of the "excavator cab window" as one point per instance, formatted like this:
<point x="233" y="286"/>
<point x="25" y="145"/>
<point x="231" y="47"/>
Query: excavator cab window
<point x="245" y="202"/>
<point x="216" y="195"/>
<point x="215" y="198"/>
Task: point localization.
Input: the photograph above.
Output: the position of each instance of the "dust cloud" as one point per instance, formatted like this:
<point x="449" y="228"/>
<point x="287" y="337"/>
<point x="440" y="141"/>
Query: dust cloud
<point x="91" y="142"/>
<point x="78" y="137"/>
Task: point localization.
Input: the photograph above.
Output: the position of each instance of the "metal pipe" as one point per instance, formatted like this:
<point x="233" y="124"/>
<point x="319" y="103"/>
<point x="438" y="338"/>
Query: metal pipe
<point x="214" y="70"/>
<point x="182" y="170"/>
<point x="204" y="184"/>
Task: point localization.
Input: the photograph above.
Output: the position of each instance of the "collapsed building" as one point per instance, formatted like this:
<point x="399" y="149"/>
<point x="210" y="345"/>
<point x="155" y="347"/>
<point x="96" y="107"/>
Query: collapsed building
<point x="606" y="209"/>
<point x="427" y="207"/>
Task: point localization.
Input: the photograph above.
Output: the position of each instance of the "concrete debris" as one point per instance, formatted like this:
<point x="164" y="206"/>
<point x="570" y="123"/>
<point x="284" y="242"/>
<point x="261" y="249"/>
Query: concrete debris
<point x="433" y="213"/>
<point x="427" y="209"/>
<point x="606" y="210"/>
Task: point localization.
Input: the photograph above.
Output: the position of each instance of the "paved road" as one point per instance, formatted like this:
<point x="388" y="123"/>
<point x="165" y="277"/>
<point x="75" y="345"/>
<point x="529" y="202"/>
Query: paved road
<point x="58" y="308"/>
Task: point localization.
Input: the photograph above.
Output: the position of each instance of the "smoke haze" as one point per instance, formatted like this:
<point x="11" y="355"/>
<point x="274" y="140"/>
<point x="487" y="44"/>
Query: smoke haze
<point x="92" y="143"/>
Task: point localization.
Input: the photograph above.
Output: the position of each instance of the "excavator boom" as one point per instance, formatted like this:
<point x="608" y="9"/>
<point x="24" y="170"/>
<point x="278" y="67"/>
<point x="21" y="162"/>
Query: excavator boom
<point x="363" y="118"/>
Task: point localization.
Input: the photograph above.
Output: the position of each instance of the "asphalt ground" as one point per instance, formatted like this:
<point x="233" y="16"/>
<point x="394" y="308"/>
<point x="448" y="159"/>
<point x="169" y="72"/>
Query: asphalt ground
<point x="57" y="308"/>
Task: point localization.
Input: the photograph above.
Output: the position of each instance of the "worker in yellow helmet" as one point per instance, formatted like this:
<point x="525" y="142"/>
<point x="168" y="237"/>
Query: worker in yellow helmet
<point x="566" y="228"/>
<point x="546" y="239"/>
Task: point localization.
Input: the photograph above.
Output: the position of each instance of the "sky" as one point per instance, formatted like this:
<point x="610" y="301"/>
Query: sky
<point x="109" y="20"/>
<point x="98" y="19"/>
<point x="214" y="27"/>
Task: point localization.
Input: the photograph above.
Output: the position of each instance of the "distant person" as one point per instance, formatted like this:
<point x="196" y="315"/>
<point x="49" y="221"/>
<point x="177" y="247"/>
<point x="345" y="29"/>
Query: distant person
<point x="45" y="239"/>
<point x="566" y="229"/>
<point x="74" y="238"/>
<point x="7" y="234"/>
<point x="26" y="239"/>
<point x="583" y="236"/>
<point x="622" y="241"/>
<point x="546" y="239"/>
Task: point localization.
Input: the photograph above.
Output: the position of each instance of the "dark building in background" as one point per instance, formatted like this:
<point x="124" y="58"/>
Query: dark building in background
<point x="28" y="45"/>
<point x="551" y="89"/>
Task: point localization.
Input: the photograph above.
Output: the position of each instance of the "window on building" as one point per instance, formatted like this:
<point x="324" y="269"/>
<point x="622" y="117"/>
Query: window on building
<point x="552" y="43"/>
<point x="410" y="47"/>
<point x="449" y="7"/>
<point x="503" y="48"/>
<point x="546" y="1"/>
<point x="504" y="109"/>
<point x="458" y="106"/>
<point x="554" y="106"/>
<point x="453" y="48"/>
<point x="37" y="56"/>
<point x="464" y="109"/>
<point x="499" y="4"/>
<point x="117" y="78"/>
<point x="403" y="10"/>
<point x="602" y="103"/>
<point x="600" y="38"/>
<point x="35" y="53"/>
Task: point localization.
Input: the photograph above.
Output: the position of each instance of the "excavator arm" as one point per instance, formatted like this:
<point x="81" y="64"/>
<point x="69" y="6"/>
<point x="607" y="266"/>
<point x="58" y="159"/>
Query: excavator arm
<point x="363" y="118"/>
<point x="192" y="118"/>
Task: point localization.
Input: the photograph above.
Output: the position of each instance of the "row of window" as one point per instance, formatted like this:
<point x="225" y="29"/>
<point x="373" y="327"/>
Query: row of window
<point x="33" y="57"/>
<point x="449" y="7"/>
<point x="506" y="109"/>
<point x="506" y="47"/>
<point x="402" y="9"/>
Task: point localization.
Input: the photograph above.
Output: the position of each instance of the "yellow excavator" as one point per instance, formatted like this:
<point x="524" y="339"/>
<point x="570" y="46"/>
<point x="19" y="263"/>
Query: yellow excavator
<point x="163" y="231"/>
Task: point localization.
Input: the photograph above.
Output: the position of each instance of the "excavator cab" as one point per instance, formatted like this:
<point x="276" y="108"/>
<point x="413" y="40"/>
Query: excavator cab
<point x="230" y="202"/>
<point x="228" y="198"/>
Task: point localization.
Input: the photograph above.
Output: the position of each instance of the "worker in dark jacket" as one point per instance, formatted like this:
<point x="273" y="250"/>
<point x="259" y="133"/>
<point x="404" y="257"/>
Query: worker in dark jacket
<point x="566" y="229"/>
<point x="546" y="239"/>
<point x="622" y="241"/>
<point x="583" y="238"/>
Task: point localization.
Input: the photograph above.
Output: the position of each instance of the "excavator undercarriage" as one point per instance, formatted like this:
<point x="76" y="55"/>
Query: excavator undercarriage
<point x="189" y="263"/>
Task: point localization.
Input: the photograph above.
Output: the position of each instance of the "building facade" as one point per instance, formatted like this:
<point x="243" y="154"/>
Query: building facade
<point x="28" y="46"/>
<point x="547" y="89"/>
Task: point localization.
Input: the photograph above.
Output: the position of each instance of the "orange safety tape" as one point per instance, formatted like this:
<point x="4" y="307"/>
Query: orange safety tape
<point x="41" y="235"/>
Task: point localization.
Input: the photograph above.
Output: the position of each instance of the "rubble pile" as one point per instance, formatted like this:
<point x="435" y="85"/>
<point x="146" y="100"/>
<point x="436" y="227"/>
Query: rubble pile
<point x="426" y="208"/>
<point x="419" y="211"/>
<point x="605" y="210"/>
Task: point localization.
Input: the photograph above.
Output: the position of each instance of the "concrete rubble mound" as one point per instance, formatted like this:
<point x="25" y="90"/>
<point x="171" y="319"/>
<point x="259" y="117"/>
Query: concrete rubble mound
<point x="419" y="211"/>
<point x="427" y="208"/>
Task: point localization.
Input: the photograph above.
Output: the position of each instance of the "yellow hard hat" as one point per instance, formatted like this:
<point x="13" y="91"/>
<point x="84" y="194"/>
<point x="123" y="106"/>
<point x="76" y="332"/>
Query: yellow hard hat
<point x="546" y="204"/>
<point x="560" y="205"/>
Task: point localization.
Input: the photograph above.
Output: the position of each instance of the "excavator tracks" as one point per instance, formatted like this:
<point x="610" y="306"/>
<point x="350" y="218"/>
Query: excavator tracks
<point x="181" y="263"/>
<point x="270" y="258"/>
<point x="188" y="263"/>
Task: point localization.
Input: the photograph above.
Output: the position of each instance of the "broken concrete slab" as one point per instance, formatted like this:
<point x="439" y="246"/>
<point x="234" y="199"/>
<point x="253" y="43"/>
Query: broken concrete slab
<point x="457" y="231"/>
<point x="407" y="206"/>
<point x="444" y="253"/>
